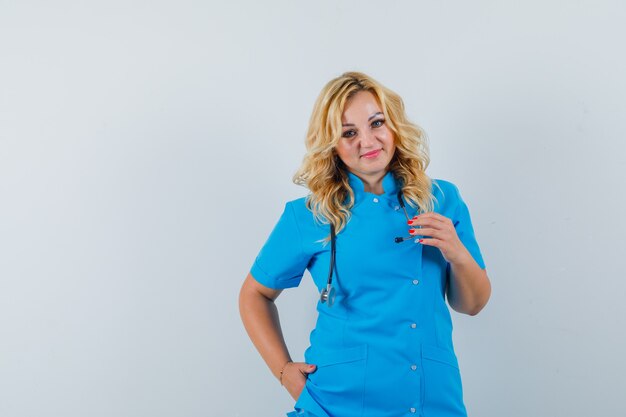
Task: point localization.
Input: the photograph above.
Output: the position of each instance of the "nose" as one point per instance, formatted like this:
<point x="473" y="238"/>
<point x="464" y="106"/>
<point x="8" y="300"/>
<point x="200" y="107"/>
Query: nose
<point x="368" y="139"/>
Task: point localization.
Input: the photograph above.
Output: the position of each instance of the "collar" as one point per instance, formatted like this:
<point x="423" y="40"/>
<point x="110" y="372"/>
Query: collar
<point x="390" y="188"/>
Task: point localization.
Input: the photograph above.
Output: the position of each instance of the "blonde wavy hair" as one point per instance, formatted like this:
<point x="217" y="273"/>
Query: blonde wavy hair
<point x="326" y="176"/>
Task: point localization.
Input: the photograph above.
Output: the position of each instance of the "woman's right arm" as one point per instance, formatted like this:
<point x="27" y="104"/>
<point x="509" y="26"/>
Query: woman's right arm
<point x="260" y="318"/>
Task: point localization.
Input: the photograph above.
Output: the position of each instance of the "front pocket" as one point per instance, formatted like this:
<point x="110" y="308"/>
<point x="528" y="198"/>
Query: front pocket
<point x="438" y="354"/>
<point x="328" y="357"/>
<point x="338" y="383"/>
<point x="443" y="393"/>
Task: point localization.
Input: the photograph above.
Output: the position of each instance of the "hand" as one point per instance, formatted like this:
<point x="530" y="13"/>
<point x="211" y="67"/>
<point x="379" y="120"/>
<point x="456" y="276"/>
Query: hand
<point x="441" y="234"/>
<point x="294" y="377"/>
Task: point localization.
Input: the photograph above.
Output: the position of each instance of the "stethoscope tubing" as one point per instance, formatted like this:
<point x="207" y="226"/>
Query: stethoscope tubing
<point x="327" y="295"/>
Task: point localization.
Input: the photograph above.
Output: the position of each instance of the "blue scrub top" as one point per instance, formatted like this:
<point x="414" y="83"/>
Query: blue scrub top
<point x="384" y="349"/>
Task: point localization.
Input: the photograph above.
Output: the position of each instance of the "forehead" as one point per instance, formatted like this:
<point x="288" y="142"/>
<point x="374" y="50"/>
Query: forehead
<point x="362" y="105"/>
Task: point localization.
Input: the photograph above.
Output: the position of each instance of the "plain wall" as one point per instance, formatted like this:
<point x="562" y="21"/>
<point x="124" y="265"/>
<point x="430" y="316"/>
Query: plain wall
<point x="147" y="149"/>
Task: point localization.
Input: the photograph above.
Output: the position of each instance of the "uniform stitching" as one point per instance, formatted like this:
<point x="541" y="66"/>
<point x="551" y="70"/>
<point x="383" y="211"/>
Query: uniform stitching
<point x="295" y="221"/>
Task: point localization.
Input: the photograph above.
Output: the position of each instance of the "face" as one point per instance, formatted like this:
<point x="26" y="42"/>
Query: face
<point x="367" y="144"/>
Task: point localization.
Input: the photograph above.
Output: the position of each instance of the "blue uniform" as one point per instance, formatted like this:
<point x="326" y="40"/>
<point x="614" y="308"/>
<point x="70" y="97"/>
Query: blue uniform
<point x="384" y="349"/>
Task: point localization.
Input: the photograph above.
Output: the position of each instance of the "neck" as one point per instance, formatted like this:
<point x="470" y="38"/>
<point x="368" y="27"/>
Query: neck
<point x="373" y="184"/>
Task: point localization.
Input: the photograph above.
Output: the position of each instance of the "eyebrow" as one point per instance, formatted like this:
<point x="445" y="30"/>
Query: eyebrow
<point x="369" y="118"/>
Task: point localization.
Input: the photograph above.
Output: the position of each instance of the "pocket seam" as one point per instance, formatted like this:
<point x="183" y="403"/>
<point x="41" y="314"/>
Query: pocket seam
<point x="328" y="357"/>
<point x="440" y="355"/>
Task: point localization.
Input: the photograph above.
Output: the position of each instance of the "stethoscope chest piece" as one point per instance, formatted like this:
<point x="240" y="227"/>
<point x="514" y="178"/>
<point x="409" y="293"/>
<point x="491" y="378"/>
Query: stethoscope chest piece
<point x="328" y="295"/>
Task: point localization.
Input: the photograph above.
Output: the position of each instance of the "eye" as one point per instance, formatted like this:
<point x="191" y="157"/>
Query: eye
<point x="378" y="122"/>
<point x="349" y="133"/>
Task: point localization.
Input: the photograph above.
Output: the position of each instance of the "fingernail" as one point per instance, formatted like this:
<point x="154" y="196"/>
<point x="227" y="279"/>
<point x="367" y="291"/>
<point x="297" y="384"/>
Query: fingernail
<point x="411" y="231"/>
<point x="311" y="366"/>
<point x="409" y="222"/>
<point x="421" y="240"/>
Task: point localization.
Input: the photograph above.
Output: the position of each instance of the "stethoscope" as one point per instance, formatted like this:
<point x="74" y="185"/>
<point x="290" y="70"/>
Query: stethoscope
<point x="328" y="294"/>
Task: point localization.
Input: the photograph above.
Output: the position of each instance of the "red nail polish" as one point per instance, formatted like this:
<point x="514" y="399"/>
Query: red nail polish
<point x="411" y="231"/>
<point x="421" y="240"/>
<point x="409" y="222"/>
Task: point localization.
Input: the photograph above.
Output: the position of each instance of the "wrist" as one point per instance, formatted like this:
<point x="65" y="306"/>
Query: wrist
<point x="282" y="371"/>
<point x="464" y="259"/>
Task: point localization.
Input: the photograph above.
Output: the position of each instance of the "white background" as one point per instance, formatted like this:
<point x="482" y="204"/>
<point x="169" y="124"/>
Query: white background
<point x="147" y="149"/>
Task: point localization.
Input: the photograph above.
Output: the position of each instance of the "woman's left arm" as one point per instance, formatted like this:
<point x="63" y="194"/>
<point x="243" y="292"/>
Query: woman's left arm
<point x="469" y="287"/>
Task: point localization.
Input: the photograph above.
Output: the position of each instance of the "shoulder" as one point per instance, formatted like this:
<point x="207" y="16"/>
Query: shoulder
<point x="444" y="188"/>
<point x="309" y="228"/>
<point x="446" y="193"/>
<point x="299" y="208"/>
<point x="301" y="212"/>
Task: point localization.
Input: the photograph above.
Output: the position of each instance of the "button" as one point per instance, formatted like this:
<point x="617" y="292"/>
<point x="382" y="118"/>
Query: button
<point x="396" y="208"/>
<point x="416" y="281"/>
<point x="413" y="367"/>
<point x="413" y="325"/>
<point x="413" y="410"/>
<point x="375" y="200"/>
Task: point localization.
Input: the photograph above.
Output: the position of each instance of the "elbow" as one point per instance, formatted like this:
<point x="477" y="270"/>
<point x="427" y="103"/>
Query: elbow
<point x="481" y="303"/>
<point x="243" y="302"/>
<point x="474" y="311"/>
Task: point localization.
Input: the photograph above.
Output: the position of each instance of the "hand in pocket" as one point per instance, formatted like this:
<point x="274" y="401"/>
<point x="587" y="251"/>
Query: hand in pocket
<point x="294" y="377"/>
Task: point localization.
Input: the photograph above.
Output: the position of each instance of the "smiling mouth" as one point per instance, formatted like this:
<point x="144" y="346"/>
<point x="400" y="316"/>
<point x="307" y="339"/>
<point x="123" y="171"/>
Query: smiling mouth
<point x="371" y="154"/>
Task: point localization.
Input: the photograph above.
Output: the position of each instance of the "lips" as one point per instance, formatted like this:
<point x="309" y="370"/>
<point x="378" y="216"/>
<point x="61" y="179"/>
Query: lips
<point x="371" y="154"/>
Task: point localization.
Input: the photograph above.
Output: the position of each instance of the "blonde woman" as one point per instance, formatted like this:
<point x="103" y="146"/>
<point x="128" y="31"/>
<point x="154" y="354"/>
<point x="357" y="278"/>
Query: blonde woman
<point x="385" y="245"/>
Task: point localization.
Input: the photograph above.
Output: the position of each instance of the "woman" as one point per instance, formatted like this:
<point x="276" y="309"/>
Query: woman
<point x="382" y="345"/>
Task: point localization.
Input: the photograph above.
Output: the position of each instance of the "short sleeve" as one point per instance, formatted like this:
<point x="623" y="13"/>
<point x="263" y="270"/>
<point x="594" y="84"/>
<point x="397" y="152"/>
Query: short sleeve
<point x="281" y="261"/>
<point x="465" y="231"/>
